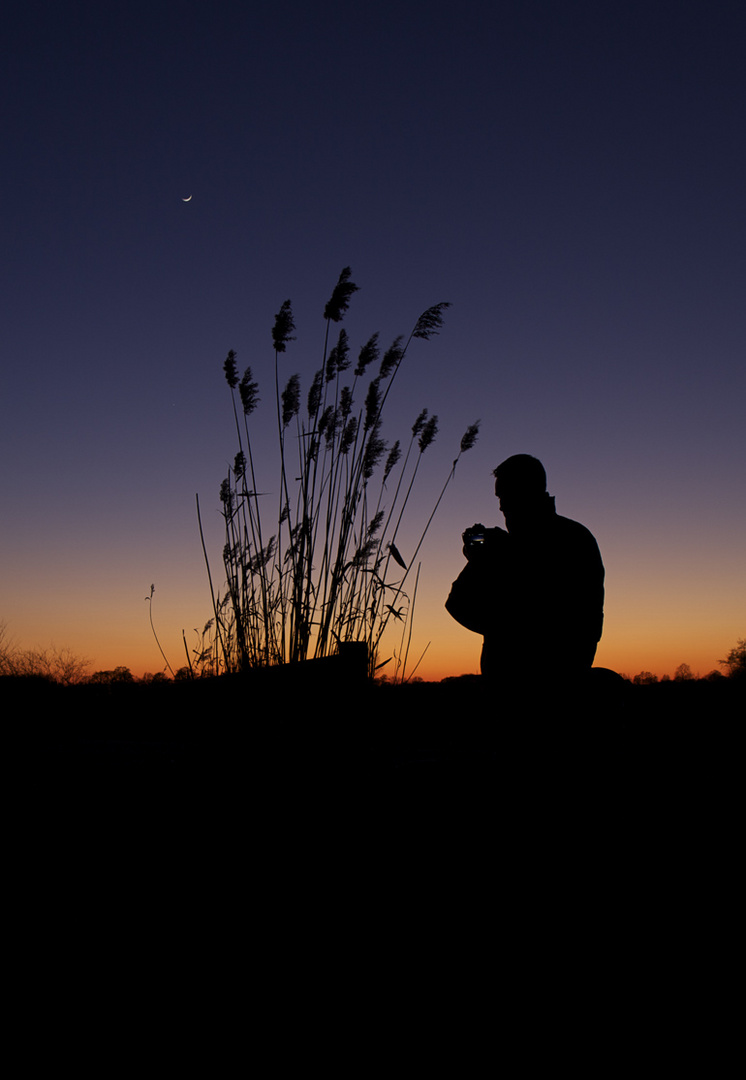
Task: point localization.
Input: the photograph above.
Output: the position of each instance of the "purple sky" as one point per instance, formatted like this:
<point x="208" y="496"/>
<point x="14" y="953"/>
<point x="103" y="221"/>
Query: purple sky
<point x="569" y="176"/>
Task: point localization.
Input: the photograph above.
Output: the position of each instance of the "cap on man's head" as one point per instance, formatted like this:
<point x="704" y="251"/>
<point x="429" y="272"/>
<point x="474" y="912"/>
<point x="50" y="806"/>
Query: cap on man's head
<point x="520" y="473"/>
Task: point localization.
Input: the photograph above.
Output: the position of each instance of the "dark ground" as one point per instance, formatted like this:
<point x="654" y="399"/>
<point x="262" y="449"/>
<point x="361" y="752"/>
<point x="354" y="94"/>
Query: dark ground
<point x="297" y="745"/>
<point x="232" y="864"/>
<point x="342" y="728"/>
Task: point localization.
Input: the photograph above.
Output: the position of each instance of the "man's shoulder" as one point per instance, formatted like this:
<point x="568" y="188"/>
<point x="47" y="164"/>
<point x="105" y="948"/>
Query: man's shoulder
<point x="573" y="529"/>
<point x="568" y="523"/>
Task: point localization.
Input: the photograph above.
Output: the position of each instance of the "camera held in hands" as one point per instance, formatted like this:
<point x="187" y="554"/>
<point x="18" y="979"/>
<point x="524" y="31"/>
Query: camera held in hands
<point x="478" y="538"/>
<point x="474" y="535"/>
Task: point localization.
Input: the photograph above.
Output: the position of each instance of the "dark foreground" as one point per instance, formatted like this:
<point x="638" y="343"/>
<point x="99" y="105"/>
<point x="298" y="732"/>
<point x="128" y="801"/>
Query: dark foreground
<point x="339" y="874"/>
<point x="288" y="744"/>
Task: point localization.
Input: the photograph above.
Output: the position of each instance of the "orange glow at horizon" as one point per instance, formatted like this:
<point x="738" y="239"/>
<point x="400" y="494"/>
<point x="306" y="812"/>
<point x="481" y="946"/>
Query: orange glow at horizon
<point x="652" y="622"/>
<point x="439" y="649"/>
<point x="456" y="655"/>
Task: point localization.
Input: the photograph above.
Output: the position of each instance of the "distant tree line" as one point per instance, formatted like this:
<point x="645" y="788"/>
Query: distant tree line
<point x="734" y="662"/>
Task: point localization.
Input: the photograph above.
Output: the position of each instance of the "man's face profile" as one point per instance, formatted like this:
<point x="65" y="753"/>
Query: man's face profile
<point x="517" y="500"/>
<point x="510" y="495"/>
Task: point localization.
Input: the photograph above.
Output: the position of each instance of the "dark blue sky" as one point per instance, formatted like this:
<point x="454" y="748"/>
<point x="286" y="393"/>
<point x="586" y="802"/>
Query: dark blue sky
<point x="570" y="176"/>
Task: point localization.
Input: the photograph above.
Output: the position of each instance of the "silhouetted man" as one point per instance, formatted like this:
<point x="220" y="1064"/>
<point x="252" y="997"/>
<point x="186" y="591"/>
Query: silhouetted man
<point x="535" y="592"/>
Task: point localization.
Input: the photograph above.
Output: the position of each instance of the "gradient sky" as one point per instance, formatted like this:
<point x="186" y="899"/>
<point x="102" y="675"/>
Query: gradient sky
<point x="570" y="176"/>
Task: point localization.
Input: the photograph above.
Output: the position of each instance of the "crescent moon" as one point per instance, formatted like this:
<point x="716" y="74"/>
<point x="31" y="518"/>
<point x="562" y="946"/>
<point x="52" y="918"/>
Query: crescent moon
<point x="187" y="198"/>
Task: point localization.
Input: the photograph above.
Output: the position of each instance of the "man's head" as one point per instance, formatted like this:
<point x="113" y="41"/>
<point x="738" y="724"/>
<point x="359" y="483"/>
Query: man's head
<point x="520" y="485"/>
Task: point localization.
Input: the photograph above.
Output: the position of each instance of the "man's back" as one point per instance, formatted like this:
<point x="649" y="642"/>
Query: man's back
<point x="557" y="591"/>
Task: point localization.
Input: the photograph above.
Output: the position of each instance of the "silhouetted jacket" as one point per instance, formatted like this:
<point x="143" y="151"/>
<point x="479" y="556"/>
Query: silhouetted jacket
<point x="536" y="594"/>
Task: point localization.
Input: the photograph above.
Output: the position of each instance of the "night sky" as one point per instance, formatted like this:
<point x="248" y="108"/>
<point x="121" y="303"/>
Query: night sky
<point x="569" y="176"/>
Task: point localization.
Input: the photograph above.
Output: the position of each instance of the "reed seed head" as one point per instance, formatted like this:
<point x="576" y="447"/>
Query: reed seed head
<point x="345" y="402"/>
<point x="339" y="358"/>
<point x="229" y="367"/>
<point x="372" y="405"/>
<point x="364" y="553"/>
<point x="340" y="298"/>
<point x="239" y="465"/>
<point x="374" y="450"/>
<point x="290" y="399"/>
<point x="329" y="423"/>
<point x="375" y="524"/>
<point x="226" y="495"/>
<point x="392" y="358"/>
<point x="249" y="391"/>
<point x="283" y="328"/>
<point x="419" y="423"/>
<point x="368" y="354"/>
<point x="348" y="435"/>
<point x="470" y="437"/>
<point x="430" y="321"/>
<point x="392" y="459"/>
<point x="314" y="394"/>
<point x="260" y="560"/>
<point x="429" y="431"/>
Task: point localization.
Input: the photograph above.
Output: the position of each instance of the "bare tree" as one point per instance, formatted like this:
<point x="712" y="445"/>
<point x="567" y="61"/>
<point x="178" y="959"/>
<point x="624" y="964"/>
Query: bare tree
<point x="735" y="661"/>
<point x="58" y="665"/>
<point x="8" y="652"/>
<point x="683" y="673"/>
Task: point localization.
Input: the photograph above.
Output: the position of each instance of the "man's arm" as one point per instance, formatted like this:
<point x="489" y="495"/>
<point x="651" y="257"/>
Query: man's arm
<point x="472" y="600"/>
<point x="463" y="600"/>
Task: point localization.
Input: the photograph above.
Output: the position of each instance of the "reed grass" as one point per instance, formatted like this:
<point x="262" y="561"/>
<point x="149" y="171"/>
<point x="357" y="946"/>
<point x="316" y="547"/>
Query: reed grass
<point x="328" y="571"/>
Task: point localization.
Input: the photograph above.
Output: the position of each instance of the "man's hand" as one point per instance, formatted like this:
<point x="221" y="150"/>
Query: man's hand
<point x="478" y="540"/>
